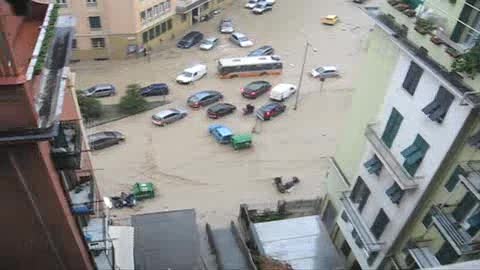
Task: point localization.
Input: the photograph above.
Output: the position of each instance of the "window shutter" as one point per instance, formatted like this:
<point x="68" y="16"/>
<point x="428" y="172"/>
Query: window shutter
<point x="380" y="223"/>
<point x="463" y="207"/>
<point x="454" y="178"/>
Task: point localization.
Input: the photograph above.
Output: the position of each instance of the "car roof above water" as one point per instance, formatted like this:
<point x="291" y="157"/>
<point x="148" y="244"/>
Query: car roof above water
<point x="166" y="112"/>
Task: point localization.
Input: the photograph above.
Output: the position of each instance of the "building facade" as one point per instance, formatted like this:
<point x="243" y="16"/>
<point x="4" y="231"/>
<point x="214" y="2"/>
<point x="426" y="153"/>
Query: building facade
<point x="117" y="29"/>
<point x="51" y="215"/>
<point x="402" y="190"/>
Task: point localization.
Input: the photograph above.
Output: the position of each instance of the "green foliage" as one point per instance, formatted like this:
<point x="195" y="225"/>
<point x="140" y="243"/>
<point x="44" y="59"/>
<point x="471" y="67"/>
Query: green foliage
<point x="426" y="25"/>
<point x="469" y="62"/>
<point x="90" y="107"/>
<point x="47" y="40"/>
<point x="132" y="102"/>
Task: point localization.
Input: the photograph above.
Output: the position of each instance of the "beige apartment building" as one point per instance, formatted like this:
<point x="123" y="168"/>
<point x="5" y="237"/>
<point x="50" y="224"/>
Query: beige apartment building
<point x="118" y="29"/>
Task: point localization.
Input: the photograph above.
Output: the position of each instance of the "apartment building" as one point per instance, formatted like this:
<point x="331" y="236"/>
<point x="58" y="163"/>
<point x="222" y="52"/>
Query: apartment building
<point x="117" y="29"/>
<point x="52" y="217"/>
<point x="403" y="188"/>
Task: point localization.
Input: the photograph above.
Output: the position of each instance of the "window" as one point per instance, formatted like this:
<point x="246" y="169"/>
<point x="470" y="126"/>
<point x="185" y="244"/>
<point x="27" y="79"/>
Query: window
<point x="438" y="108"/>
<point x="464" y="207"/>
<point x="412" y="78"/>
<point x="149" y="14"/>
<point x="345" y="249"/>
<point x="164" y="27"/>
<point x="142" y="17"/>
<point x="393" y="125"/>
<point x="427" y="219"/>
<point x="473" y="223"/>
<point x="169" y="24"/>
<point x="395" y="193"/>
<point x="157" y="30"/>
<point x="446" y="254"/>
<point x="414" y="155"/>
<point x="379" y="224"/>
<point x="62" y="3"/>
<point x="145" y="37"/>
<point x="167" y="5"/>
<point x="155" y="12"/>
<point x="98" y="42"/>
<point x="454" y="178"/>
<point x="74" y="43"/>
<point x="151" y="33"/>
<point x="360" y="193"/>
<point x="205" y="6"/>
<point x="95" y="22"/>
<point x="373" y="165"/>
<point x="91" y="3"/>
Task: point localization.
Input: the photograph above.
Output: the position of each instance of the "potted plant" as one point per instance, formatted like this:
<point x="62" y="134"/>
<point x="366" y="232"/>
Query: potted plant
<point x="469" y="62"/>
<point x="410" y="12"/>
<point x="423" y="26"/>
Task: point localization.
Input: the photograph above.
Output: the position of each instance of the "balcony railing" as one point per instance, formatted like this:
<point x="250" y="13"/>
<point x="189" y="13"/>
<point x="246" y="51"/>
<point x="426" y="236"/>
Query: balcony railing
<point x="472" y="179"/>
<point x="184" y="6"/>
<point x="399" y="174"/>
<point x="361" y="233"/>
<point x="99" y="243"/>
<point x="82" y="198"/>
<point x="424" y="257"/>
<point x="66" y="146"/>
<point x="453" y="232"/>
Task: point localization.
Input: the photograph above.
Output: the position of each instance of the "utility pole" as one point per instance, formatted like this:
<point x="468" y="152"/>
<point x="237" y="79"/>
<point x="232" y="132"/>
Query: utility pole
<point x="301" y="74"/>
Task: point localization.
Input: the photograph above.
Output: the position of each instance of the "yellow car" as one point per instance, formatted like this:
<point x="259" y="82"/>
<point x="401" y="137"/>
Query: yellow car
<point x="330" y="20"/>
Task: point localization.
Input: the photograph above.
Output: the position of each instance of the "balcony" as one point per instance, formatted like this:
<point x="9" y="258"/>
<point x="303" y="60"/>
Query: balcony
<point x="82" y="198"/>
<point x="184" y="6"/>
<point x="428" y="59"/>
<point x="453" y="232"/>
<point x="472" y="179"/>
<point x="360" y="232"/>
<point x="396" y="170"/>
<point x="67" y="146"/>
<point x="424" y="257"/>
<point x="99" y="243"/>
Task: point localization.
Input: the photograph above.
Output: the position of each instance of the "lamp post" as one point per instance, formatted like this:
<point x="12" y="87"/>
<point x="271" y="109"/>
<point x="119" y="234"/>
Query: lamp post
<point x="307" y="44"/>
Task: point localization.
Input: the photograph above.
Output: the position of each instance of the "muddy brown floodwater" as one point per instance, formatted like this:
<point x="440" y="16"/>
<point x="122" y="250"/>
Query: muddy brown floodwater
<point x="187" y="166"/>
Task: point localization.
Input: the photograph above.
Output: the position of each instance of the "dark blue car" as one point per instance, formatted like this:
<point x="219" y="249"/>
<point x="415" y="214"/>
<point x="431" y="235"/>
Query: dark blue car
<point x="156" y="89"/>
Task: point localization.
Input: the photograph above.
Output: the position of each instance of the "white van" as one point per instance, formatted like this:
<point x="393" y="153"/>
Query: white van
<point x="282" y="91"/>
<point x="192" y="74"/>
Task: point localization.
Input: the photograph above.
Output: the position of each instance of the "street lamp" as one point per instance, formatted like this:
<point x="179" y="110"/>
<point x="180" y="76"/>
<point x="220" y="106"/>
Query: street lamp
<point x="307" y="44"/>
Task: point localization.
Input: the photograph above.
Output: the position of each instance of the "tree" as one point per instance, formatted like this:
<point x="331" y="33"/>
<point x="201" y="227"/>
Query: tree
<point x="90" y="107"/>
<point x="132" y="102"/>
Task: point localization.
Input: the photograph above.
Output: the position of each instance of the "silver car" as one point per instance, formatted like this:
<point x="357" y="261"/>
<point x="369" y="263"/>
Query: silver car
<point x="168" y="116"/>
<point x="226" y="26"/>
<point x="208" y="43"/>
<point x="241" y="40"/>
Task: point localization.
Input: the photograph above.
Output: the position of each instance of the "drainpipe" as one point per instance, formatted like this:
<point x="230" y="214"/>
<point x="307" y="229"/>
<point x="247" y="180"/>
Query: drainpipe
<point x="38" y="214"/>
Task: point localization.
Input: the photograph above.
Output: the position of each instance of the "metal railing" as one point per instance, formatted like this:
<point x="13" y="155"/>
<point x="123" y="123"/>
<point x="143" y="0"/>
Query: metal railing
<point x="399" y="174"/>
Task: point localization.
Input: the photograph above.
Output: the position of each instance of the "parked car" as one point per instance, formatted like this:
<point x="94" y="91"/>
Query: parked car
<point x="209" y="43"/>
<point x="156" y="89"/>
<point x="270" y="2"/>
<point x="104" y="139"/>
<point x="100" y="90"/>
<point x="264" y="50"/>
<point x="192" y="74"/>
<point x="221" y="133"/>
<point x="256" y="89"/>
<point x="241" y="40"/>
<point x="190" y="40"/>
<point x="324" y="72"/>
<point x="204" y="98"/>
<point x="220" y="109"/>
<point x="330" y="19"/>
<point x="251" y="4"/>
<point x="282" y="91"/>
<point x="226" y="26"/>
<point x="168" y="116"/>
<point x="267" y="111"/>
<point x="261" y="8"/>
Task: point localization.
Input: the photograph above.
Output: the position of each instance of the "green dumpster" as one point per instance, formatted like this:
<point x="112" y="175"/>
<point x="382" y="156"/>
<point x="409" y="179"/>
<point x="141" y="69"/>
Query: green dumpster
<point x="143" y="191"/>
<point x="241" y="141"/>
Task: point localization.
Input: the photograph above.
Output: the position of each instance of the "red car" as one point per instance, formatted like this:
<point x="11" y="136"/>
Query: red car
<point x="255" y="89"/>
<point x="270" y="110"/>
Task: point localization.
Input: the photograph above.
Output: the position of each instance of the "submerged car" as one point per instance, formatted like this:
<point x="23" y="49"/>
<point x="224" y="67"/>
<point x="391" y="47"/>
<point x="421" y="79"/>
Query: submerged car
<point x="204" y="98"/>
<point x="282" y="91"/>
<point x="251" y="4"/>
<point x="190" y="40"/>
<point x="261" y="8"/>
<point x="267" y="111"/>
<point x="104" y="139"/>
<point x="324" y="72"/>
<point x="100" y="90"/>
<point x="208" y="43"/>
<point x="256" y="89"/>
<point x="168" y="116"/>
<point x="156" y="89"/>
<point x="226" y="26"/>
<point x="192" y="74"/>
<point x="221" y="133"/>
<point x="330" y="19"/>
<point x="262" y="51"/>
<point x="241" y="40"/>
<point x="220" y="109"/>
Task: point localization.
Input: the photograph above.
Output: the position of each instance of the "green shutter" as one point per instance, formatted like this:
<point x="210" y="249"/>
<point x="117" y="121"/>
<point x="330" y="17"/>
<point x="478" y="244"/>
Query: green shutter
<point x="414" y="159"/>
<point x="391" y="130"/>
<point x="454" y="178"/>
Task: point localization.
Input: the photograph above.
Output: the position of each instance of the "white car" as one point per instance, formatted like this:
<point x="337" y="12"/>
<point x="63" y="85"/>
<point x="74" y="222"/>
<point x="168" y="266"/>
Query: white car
<point x="261" y="8"/>
<point x="241" y="40"/>
<point x="251" y="4"/>
<point x="208" y="43"/>
<point x="192" y="74"/>
<point x="324" y="72"/>
<point x="270" y="2"/>
<point x="282" y="91"/>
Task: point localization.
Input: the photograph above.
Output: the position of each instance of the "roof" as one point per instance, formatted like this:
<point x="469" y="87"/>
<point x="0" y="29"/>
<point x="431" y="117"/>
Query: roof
<point x="242" y="137"/>
<point x="249" y="60"/>
<point x="195" y="68"/>
<point x="167" y="240"/>
<point x="122" y="238"/>
<point x="166" y="112"/>
<point x="224" y="131"/>
<point x="302" y="242"/>
<point x="327" y="68"/>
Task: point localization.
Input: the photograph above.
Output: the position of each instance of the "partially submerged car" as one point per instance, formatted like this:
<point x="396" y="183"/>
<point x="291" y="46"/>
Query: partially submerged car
<point x="226" y="26"/>
<point x="155" y="89"/>
<point x="221" y="133"/>
<point x="264" y="50"/>
<point x="168" y="116"/>
<point x="267" y="111"/>
<point x="209" y="43"/>
<point x="192" y="74"/>
<point x="324" y="72"/>
<point x="261" y="8"/>
<point x="190" y="40"/>
<point x="221" y="109"/>
<point x="255" y="89"/>
<point x="100" y="90"/>
<point x="241" y="40"/>
<point x="104" y="139"/>
<point x="330" y="19"/>
<point x="204" y="98"/>
<point x="282" y="91"/>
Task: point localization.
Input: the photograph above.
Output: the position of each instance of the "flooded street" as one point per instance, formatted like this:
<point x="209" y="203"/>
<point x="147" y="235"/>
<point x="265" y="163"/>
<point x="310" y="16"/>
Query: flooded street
<point x="188" y="167"/>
